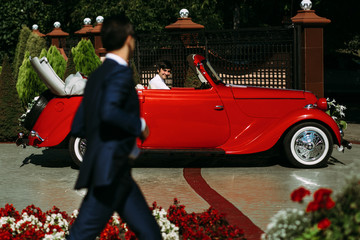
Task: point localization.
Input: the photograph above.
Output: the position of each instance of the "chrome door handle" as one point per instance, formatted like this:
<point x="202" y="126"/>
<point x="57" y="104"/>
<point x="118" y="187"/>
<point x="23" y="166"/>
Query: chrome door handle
<point x="219" y="107"/>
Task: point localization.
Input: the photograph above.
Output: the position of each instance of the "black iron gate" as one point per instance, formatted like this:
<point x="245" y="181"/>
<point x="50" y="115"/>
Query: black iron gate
<point x="266" y="57"/>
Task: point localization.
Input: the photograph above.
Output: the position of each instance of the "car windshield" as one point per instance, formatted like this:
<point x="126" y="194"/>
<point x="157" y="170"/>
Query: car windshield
<point x="212" y="73"/>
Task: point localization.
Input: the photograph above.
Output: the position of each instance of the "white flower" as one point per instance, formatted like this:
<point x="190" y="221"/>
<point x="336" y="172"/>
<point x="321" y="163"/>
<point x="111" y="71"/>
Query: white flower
<point x="8" y="220"/>
<point x="116" y="220"/>
<point x="75" y="213"/>
<point x="55" y="236"/>
<point x="30" y="220"/>
<point x="286" y="224"/>
<point x="168" y="230"/>
<point x="56" y="220"/>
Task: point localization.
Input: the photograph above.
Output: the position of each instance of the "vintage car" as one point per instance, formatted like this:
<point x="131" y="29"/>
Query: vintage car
<point x="213" y="117"/>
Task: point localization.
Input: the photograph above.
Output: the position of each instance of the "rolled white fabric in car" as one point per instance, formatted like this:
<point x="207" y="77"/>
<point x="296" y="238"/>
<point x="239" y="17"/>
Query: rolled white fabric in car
<point x="75" y="84"/>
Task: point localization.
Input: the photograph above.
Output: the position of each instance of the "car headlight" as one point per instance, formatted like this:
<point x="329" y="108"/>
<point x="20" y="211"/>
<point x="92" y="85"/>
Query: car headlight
<point x="321" y="104"/>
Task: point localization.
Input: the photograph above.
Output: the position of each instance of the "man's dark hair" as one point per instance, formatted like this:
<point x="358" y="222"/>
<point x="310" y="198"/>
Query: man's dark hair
<point x="114" y="32"/>
<point x="164" y="64"/>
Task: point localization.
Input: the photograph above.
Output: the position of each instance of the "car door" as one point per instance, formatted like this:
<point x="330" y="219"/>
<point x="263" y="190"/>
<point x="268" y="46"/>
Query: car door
<point x="184" y="118"/>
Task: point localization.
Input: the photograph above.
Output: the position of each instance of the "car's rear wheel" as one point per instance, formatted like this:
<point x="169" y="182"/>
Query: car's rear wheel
<point x="77" y="147"/>
<point x="308" y="145"/>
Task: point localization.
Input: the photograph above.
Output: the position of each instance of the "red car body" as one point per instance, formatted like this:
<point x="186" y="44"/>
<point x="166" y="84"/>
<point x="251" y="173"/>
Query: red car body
<point x="214" y="117"/>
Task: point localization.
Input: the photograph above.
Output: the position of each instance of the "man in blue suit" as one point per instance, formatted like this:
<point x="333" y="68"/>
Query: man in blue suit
<point x="109" y="119"/>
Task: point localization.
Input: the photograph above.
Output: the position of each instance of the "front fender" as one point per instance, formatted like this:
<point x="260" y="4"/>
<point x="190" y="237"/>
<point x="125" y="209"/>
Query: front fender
<point x="275" y="128"/>
<point x="54" y="122"/>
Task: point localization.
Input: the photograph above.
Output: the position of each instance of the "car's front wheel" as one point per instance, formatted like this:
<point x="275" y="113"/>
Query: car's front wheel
<point x="308" y="145"/>
<point x="77" y="147"/>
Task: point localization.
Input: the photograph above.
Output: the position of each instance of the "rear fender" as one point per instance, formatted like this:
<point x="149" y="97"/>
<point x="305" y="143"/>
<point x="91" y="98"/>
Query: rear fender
<point x="270" y="135"/>
<point x="54" y="123"/>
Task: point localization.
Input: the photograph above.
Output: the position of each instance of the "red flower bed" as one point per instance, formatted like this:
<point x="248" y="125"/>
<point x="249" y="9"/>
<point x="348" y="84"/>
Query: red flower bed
<point x="35" y="224"/>
<point x="207" y="225"/>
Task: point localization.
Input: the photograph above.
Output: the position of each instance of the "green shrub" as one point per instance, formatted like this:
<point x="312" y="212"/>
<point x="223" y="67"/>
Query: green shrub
<point x="35" y="44"/>
<point x="10" y="105"/>
<point x="28" y="83"/>
<point x="57" y="61"/>
<point x="20" y="49"/>
<point x="43" y="53"/>
<point x="85" y="58"/>
<point x="70" y="67"/>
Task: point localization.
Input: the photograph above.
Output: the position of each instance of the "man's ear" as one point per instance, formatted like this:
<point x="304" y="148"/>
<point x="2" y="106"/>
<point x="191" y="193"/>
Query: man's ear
<point x="128" y="40"/>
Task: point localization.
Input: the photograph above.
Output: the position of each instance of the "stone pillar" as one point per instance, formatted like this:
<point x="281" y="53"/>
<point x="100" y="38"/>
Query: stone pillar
<point x="85" y="30"/>
<point x="188" y="33"/>
<point x="58" y="38"/>
<point x="99" y="49"/>
<point x="184" y="23"/>
<point x="311" y="44"/>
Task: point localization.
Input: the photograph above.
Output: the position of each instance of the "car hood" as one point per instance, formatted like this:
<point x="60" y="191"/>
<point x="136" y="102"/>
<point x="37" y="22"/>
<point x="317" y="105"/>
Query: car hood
<point x="246" y="92"/>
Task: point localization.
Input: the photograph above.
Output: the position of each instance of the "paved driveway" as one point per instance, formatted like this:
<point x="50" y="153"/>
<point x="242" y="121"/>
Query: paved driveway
<point x="256" y="186"/>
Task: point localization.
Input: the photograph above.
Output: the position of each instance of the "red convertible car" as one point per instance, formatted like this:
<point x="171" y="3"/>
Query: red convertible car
<point x="215" y="116"/>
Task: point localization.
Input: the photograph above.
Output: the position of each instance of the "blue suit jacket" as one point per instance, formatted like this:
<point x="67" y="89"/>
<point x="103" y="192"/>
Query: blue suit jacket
<point x="109" y="119"/>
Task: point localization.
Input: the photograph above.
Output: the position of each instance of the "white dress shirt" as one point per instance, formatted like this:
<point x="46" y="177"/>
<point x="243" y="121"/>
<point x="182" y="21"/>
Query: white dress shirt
<point x="157" y="83"/>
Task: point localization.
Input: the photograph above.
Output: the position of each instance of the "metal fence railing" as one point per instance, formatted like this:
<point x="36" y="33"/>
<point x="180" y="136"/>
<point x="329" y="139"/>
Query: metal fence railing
<point x="259" y="57"/>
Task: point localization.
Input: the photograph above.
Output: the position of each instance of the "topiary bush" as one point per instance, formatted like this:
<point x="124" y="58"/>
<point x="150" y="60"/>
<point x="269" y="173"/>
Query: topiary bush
<point x="20" y="49"/>
<point x="35" y="44"/>
<point x="57" y="61"/>
<point x="43" y="53"/>
<point x="70" y="67"/>
<point x="85" y="58"/>
<point x="10" y="105"/>
<point x="28" y="83"/>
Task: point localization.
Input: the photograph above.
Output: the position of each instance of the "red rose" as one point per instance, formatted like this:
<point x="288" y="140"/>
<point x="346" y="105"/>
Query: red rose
<point x="312" y="206"/>
<point x="321" y="194"/>
<point x="298" y="194"/>
<point x="323" y="224"/>
<point x="329" y="203"/>
<point x="322" y="199"/>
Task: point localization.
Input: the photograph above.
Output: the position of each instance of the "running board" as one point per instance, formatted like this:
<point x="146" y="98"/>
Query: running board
<point x="184" y="151"/>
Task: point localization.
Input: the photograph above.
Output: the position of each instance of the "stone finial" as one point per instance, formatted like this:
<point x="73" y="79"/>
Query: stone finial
<point x="306" y="5"/>
<point x="100" y="19"/>
<point x="35" y="29"/>
<point x="57" y="25"/>
<point x="87" y="21"/>
<point x="184" y="13"/>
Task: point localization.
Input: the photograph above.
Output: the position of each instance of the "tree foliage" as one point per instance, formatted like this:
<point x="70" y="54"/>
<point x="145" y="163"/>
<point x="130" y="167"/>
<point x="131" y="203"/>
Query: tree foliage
<point x="84" y="57"/>
<point x="70" y="66"/>
<point x="154" y="15"/>
<point x="149" y="16"/>
<point x="28" y="83"/>
<point x="57" y="61"/>
<point x="20" y="49"/>
<point x="10" y="106"/>
<point x="35" y="44"/>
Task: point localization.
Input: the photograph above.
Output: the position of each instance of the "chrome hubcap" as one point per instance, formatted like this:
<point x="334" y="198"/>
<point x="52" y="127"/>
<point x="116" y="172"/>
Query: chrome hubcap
<point x="309" y="146"/>
<point x="82" y="146"/>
